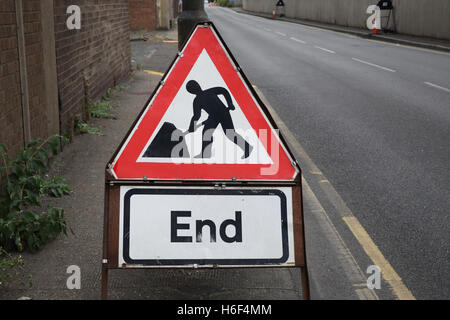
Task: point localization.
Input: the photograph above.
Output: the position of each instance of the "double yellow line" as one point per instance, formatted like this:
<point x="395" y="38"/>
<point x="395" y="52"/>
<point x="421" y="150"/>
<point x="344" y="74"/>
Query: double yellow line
<point x="154" y="73"/>
<point x="371" y="249"/>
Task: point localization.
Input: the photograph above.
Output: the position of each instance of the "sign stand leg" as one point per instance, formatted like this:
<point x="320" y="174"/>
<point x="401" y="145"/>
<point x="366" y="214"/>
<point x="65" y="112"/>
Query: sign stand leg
<point x="104" y="283"/>
<point x="305" y="283"/>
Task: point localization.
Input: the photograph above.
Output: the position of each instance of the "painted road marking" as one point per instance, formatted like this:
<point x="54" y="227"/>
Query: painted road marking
<point x="436" y="86"/>
<point x="281" y="33"/>
<point x="348" y="262"/>
<point x="154" y="73"/>
<point x="387" y="271"/>
<point x="374" y="65"/>
<point x="377" y="257"/>
<point x="323" y="49"/>
<point x="297" y="40"/>
<point x="170" y="41"/>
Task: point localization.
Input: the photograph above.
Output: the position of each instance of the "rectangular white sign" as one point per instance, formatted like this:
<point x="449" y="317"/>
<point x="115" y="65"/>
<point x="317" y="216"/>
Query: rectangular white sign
<point x="205" y="226"/>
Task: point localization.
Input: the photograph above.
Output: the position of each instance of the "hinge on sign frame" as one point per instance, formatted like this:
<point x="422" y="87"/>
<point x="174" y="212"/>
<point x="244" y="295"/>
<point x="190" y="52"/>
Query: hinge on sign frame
<point x="220" y="186"/>
<point x="109" y="169"/>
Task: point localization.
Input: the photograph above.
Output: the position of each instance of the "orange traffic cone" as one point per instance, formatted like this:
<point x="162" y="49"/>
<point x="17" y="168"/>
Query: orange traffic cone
<point x="273" y="13"/>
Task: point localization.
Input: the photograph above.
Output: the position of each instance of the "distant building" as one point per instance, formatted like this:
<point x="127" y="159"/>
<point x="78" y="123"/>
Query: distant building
<point x="152" y="14"/>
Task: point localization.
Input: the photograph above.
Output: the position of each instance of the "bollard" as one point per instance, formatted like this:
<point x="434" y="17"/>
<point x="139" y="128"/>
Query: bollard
<point x="193" y="12"/>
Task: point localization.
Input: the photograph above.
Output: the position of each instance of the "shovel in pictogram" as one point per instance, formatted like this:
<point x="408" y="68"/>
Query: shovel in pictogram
<point x="167" y="138"/>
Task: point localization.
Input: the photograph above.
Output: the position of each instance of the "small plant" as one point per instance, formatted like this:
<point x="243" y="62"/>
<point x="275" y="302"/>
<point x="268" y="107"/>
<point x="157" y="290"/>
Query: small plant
<point x="139" y="67"/>
<point x="9" y="266"/>
<point x="101" y="108"/>
<point x="23" y="224"/>
<point x="224" y="3"/>
<point x="109" y="93"/>
<point x="84" y="127"/>
<point x="141" y="33"/>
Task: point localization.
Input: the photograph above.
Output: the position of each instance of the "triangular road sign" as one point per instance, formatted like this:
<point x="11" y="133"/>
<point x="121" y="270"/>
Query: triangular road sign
<point x="204" y="122"/>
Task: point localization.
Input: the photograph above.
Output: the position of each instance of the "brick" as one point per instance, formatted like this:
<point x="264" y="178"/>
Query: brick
<point x="32" y="27"/>
<point x="12" y="67"/>
<point x="8" y="43"/>
<point x="32" y="38"/>
<point x="7" y="18"/>
<point x="31" y="6"/>
<point x="8" y="55"/>
<point x="7" y="6"/>
<point x="7" y="31"/>
<point x="142" y="14"/>
<point x="31" y="17"/>
<point x="8" y="81"/>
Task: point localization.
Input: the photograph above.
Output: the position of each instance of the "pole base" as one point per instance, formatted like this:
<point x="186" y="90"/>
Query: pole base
<point x="186" y="22"/>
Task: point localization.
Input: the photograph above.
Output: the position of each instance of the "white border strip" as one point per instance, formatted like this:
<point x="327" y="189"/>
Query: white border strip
<point x="437" y="87"/>
<point x="374" y="65"/>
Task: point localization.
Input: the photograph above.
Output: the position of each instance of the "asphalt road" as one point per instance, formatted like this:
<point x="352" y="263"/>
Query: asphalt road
<point x="375" y="119"/>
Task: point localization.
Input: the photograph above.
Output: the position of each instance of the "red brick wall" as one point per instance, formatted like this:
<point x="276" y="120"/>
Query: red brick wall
<point x="142" y="14"/>
<point x="35" y="75"/>
<point x="11" y="128"/>
<point x="11" y="122"/>
<point x="92" y="59"/>
<point x="89" y="61"/>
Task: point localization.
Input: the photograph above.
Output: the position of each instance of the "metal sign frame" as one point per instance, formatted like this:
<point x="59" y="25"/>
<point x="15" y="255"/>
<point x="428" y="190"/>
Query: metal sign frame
<point x="112" y="227"/>
<point x="112" y="197"/>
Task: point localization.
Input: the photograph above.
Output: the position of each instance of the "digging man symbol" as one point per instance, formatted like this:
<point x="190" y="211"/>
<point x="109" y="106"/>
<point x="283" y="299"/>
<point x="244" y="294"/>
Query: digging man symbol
<point x="218" y="113"/>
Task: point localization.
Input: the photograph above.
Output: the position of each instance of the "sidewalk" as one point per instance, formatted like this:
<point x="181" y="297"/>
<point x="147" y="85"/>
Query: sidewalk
<point x="428" y="43"/>
<point x="83" y="163"/>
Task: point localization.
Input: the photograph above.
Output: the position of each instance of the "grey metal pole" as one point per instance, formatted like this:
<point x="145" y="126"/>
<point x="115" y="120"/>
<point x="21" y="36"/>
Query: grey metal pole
<point x="193" y="13"/>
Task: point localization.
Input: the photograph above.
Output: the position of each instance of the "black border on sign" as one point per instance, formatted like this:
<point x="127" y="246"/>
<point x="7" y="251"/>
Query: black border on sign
<point x="182" y="262"/>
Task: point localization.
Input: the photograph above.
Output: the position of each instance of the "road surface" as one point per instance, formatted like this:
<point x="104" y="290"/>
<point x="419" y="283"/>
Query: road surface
<point x="373" y="120"/>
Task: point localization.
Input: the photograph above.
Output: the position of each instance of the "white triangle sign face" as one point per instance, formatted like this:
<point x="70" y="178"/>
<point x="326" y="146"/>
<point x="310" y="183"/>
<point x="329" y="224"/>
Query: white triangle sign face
<point x="180" y="112"/>
<point x="203" y="123"/>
